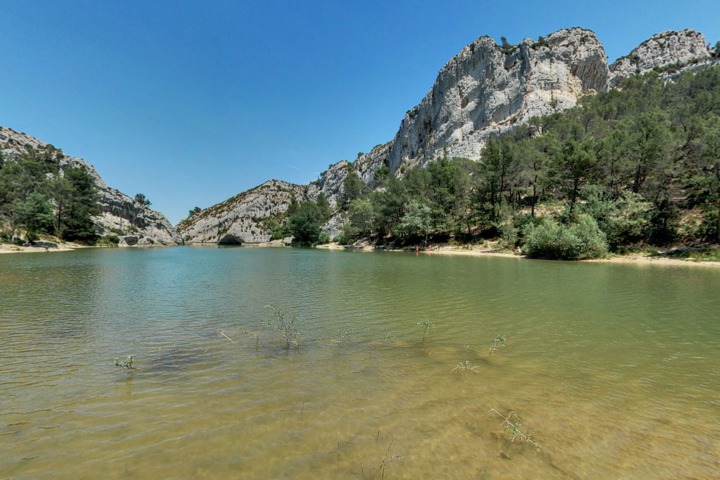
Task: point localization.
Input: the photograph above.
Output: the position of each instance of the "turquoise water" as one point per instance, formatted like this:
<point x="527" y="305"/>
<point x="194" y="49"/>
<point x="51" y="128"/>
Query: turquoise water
<point x="612" y="369"/>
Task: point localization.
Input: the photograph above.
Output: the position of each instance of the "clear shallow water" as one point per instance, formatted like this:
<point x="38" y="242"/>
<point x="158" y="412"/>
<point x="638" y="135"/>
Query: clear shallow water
<point x="613" y="369"/>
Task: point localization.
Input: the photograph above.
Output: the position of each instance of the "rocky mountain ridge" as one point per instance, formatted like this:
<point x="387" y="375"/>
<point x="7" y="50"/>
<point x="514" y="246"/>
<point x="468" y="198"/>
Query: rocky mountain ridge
<point x="665" y="52"/>
<point x="485" y="90"/>
<point x="242" y="218"/>
<point x="133" y="223"/>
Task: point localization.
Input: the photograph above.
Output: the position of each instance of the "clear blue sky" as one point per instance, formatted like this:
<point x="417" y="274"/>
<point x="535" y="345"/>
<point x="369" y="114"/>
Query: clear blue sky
<point x="192" y="102"/>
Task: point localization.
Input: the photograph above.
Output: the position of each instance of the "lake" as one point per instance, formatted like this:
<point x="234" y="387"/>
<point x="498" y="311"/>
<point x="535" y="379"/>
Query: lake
<point x="611" y="370"/>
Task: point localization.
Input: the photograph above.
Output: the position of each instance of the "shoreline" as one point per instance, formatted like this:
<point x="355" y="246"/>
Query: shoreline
<point x="60" y="247"/>
<point x="488" y="251"/>
<point x="460" y="250"/>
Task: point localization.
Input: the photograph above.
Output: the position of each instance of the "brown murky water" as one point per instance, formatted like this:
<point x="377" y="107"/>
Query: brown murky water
<point x="612" y="369"/>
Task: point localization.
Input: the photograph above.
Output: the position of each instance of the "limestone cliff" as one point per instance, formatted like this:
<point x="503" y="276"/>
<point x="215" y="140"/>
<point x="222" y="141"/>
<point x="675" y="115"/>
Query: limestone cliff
<point x="666" y="52"/>
<point x="135" y="224"/>
<point x="242" y="218"/>
<point x="485" y="90"/>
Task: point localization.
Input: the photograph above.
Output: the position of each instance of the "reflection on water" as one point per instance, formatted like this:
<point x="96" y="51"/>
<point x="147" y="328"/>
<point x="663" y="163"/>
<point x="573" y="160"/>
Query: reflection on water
<point x="611" y="368"/>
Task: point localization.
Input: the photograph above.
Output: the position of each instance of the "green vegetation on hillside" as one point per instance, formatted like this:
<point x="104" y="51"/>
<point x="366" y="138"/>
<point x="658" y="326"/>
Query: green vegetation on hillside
<point x="303" y="222"/>
<point x="37" y="197"/>
<point x="631" y="167"/>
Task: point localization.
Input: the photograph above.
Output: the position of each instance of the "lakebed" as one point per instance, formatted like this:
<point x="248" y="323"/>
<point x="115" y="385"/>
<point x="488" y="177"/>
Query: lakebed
<point x="610" y="368"/>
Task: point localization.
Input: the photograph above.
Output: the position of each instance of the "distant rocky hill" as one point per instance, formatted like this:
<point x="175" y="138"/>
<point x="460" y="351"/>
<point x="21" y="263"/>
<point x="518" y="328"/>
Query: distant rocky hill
<point x="666" y="52"/>
<point x="242" y="218"/>
<point x="484" y="90"/>
<point x="135" y="224"/>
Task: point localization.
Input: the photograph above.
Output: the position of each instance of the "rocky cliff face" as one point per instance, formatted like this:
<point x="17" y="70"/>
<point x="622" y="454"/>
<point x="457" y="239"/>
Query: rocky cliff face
<point x="134" y="224"/>
<point x="485" y="90"/>
<point x="668" y="51"/>
<point x="242" y="218"/>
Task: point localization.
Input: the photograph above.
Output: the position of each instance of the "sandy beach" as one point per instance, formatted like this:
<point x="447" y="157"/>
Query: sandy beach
<point x="61" y="247"/>
<point x="491" y="249"/>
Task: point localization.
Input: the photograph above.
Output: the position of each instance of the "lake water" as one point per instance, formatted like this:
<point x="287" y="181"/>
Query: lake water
<point x="612" y="369"/>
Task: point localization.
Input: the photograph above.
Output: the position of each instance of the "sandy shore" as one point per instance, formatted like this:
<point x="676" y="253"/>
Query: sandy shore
<point x="487" y="249"/>
<point x="61" y="247"/>
<point x="490" y="249"/>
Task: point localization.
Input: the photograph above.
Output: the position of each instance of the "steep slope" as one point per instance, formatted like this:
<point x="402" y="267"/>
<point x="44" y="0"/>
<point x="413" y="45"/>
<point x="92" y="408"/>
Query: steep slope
<point x="134" y="223"/>
<point x="488" y="89"/>
<point x="668" y="51"/>
<point x="242" y="218"/>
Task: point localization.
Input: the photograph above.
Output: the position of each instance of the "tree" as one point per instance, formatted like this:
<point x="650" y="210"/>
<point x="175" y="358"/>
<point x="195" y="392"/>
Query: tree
<point x="624" y="220"/>
<point x="389" y="204"/>
<point x="61" y="191"/>
<point x="361" y="217"/>
<point x="505" y="46"/>
<point x="500" y="172"/>
<point x="534" y="157"/>
<point x="142" y="200"/>
<point x="417" y="219"/>
<point x="648" y="145"/>
<point x="194" y="211"/>
<point x="35" y="214"/>
<point x="353" y="187"/>
<point x="577" y="162"/>
<point x="81" y="201"/>
<point x="323" y="206"/>
<point x="704" y="181"/>
<point x="304" y="224"/>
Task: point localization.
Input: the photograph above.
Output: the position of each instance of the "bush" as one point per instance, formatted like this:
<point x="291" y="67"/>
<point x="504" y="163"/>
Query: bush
<point x="342" y="239"/>
<point x="625" y="221"/>
<point x="324" y="238"/>
<point x="551" y="240"/>
<point x="110" y="240"/>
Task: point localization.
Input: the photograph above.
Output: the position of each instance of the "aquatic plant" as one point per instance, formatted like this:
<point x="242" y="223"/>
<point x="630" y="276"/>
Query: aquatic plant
<point x="284" y="325"/>
<point x="499" y="341"/>
<point x="465" y="365"/>
<point x="342" y="337"/>
<point x="256" y="335"/>
<point x="512" y="422"/>
<point x="426" y="325"/>
<point x="387" y="459"/>
<point x="128" y="364"/>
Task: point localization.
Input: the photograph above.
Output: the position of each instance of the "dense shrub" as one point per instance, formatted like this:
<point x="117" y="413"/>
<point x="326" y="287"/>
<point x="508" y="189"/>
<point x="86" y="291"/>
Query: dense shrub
<point x="324" y="238"/>
<point x="552" y="240"/>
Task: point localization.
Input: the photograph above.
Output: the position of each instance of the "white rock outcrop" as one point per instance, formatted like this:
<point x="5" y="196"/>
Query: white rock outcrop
<point x="243" y="218"/>
<point x="667" y="49"/>
<point x="485" y="90"/>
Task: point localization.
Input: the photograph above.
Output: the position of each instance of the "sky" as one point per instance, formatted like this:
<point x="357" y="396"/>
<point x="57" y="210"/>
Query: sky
<point x="192" y="102"/>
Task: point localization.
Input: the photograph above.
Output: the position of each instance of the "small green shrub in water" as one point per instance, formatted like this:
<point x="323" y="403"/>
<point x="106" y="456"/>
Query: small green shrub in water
<point x="426" y="325"/>
<point x="463" y="367"/>
<point x="498" y="342"/>
<point x="287" y="328"/>
<point x="128" y="364"/>
<point x="512" y="422"/>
